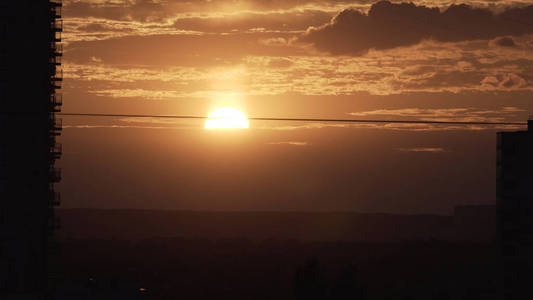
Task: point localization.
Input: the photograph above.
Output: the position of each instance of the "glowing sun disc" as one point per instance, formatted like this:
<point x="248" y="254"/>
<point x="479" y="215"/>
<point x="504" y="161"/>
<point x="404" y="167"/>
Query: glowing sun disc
<point x="226" y="117"/>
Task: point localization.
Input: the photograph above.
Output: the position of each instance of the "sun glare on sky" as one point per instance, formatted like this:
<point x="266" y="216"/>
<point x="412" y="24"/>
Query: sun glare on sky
<point x="226" y="117"/>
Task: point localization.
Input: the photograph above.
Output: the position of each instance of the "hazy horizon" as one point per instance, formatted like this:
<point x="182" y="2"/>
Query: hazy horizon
<point x="319" y="59"/>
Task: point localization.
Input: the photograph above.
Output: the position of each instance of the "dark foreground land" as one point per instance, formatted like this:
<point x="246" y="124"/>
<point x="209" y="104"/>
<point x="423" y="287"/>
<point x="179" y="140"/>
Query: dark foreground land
<point x="134" y="255"/>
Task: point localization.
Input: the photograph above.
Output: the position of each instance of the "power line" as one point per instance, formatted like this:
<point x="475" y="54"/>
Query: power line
<point x="299" y="119"/>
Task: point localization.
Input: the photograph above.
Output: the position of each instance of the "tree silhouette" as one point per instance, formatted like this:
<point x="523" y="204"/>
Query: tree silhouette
<point x="347" y="285"/>
<point x="309" y="281"/>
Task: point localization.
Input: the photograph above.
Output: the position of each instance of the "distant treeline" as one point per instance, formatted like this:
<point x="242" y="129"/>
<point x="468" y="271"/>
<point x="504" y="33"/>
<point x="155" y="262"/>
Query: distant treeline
<point x="200" y="268"/>
<point x="469" y="223"/>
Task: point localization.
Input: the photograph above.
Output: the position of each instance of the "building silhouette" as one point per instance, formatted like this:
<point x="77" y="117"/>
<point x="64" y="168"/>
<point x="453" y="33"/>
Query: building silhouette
<point x="515" y="209"/>
<point x="30" y="75"/>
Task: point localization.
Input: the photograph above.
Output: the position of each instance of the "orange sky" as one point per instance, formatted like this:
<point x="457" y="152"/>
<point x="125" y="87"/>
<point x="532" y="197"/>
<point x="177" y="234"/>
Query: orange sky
<point x="339" y="59"/>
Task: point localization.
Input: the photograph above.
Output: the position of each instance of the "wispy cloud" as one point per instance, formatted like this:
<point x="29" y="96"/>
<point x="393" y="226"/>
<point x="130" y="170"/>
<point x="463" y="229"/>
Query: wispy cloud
<point x="97" y="29"/>
<point x="428" y="67"/>
<point x="290" y="143"/>
<point x="462" y="114"/>
<point x="137" y="122"/>
<point x="423" y="149"/>
<point x="111" y="126"/>
<point x="101" y="21"/>
<point x="301" y="126"/>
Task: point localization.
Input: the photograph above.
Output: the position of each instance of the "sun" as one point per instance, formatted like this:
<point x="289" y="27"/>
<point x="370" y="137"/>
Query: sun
<point x="226" y="117"/>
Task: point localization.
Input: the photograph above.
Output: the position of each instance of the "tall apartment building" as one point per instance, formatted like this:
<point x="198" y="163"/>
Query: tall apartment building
<point x="515" y="210"/>
<point x="30" y="76"/>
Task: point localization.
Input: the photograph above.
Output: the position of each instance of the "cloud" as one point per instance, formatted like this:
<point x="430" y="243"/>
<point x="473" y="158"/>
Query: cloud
<point x="111" y="126"/>
<point x="504" y="41"/>
<point x="90" y="29"/>
<point x="388" y="25"/>
<point x="96" y="59"/>
<point x="94" y="72"/>
<point x="103" y="19"/>
<point x="188" y="67"/>
<point x="423" y="149"/>
<point x="461" y="114"/>
<point x="302" y="126"/>
<point x="277" y="41"/>
<point x="290" y="143"/>
<point x="141" y="10"/>
<point x="102" y="28"/>
<point x="386" y="126"/>
<point x="430" y="67"/>
<point x="150" y="10"/>
<point x="135" y="122"/>
<point x="280" y="62"/>
<point x="285" y="21"/>
<point x="152" y="48"/>
<point x="147" y="94"/>
<point x="504" y="81"/>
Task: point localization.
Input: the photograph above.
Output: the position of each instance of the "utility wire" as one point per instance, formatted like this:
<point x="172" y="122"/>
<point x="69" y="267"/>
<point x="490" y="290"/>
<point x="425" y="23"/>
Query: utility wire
<point x="298" y="119"/>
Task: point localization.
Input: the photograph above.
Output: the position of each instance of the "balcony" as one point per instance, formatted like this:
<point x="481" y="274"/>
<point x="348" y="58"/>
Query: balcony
<point x="56" y="25"/>
<point x="54" y="199"/>
<point x="54" y="175"/>
<point x="53" y="133"/>
<point x="55" y="11"/>
<point x="51" y="139"/>
<point x="56" y="36"/>
<point x="56" y="124"/>
<point x="56" y="79"/>
<point x="56" y="150"/>
<point x="57" y="75"/>
<point x="54" y="224"/>
<point x="55" y="59"/>
<point x="57" y="50"/>
<point x="56" y="100"/>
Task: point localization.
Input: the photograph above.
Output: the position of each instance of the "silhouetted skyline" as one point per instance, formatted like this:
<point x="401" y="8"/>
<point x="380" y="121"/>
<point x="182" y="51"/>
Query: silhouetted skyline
<point x="30" y="77"/>
<point x="274" y="195"/>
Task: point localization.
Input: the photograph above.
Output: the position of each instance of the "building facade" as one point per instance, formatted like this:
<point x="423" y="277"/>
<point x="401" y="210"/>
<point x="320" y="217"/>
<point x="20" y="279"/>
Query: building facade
<point x="515" y="210"/>
<point x="30" y="77"/>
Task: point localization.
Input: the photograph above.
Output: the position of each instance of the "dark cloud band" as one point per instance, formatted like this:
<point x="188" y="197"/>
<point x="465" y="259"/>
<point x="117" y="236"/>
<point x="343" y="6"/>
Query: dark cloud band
<point x="388" y="25"/>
